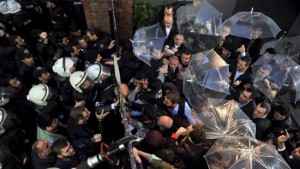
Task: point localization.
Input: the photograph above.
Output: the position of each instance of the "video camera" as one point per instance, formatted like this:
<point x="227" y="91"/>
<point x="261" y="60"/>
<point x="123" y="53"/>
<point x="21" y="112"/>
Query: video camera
<point x="115" y="149"/>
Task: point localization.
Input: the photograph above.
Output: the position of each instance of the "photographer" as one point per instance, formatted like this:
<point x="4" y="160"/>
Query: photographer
<point x="84" y="124"/>
<point x="293" y="157"/>
<point x="68" y="156"/>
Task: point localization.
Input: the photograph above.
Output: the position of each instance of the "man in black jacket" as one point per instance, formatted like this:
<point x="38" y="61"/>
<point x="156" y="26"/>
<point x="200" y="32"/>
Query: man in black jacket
<point x="292" y="158"/>
<point x="41" y="155"/>
<point x="260" y="119"/>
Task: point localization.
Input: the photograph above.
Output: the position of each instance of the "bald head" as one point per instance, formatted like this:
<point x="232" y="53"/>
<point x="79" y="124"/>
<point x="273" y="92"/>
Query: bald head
<point x="164" y="122"/>
<point x="124" y="89"/>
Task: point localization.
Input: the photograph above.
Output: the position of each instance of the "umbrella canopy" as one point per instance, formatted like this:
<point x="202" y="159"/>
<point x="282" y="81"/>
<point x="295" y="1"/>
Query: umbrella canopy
<point x="272" y="76"/>
<point x="252" y="25"/>
<point x="201" y="26"/>
<point x="206" y="77"/>
<point x="148" y="42"/>
<point x="244" y="153"/>
<point x="286" y="46"/>
<point x="225" y="119"/>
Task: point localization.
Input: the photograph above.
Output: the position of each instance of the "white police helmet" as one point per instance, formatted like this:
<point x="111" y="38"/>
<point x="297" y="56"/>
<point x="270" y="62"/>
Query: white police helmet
<point x="40" y="94"/>
<point x="98" y="72"/>
<point x="3" y="115"/>
<point x="81" y="82"/>
<point x="9" y="7"/>
<point x="63" y="67"/>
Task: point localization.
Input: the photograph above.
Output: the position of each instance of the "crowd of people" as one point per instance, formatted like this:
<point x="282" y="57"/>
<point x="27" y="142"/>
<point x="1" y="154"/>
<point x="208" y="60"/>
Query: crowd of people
<point x="60" y="103"/>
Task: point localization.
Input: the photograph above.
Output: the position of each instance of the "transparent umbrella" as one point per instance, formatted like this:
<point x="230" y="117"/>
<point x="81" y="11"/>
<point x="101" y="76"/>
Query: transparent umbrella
<point x="272" y="77"/>
<point x="201" y="26"/>
<point x="220" y="119"/>
<point x="252" y="25"/>
<point x="285" y="46"/>
<point x="206" y="77"/>
<point x="148" y="42"/>
<point x="244" y="153"/>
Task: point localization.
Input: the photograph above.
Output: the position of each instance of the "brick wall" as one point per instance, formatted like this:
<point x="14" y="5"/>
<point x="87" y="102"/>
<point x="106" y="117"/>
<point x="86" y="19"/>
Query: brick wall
<point x="97" y="15"/>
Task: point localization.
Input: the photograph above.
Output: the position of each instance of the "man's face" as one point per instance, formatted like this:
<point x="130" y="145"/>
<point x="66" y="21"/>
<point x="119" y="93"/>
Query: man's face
<point x="242" y="66"/>
<point x="178" y="40"/>
<point x="256" y="33"/>
<point x="245" y="96"/>
<point x="143" y="83"/>
<point x="45" y="76"/>
<point x="67" y="151"/>
<point x="29" y="60"/>
<point x="82" y="44"/>
<point x="2" y="32"/>
<point x="185" y="59"/>
<point x="156" y="54"/>
<point x="45" y="147"/>
<point x="261" y="73"/>
<point x="76" y="51"/>
<point x="278" y="116"/>
<point x="259" y="112"/>
<point x="20" y="41"/>
<point x="44" y="37"/>
<point x="225" y="52"/>
<point x="267" y="57"/>
<point x="86" y="115"/>
<point x="168" y="21"/>
<point x="15" y="83"/>
<point x="173" y="64"/>
<point x="167" y="102"/>
<point x="296" y="153"/>
<point x="90" y="37"/>
<point x="65" y="41"/>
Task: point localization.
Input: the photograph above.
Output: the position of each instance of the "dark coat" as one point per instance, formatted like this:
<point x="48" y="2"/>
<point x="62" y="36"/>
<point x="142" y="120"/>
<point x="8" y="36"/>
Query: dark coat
<point x="246" y="78"/>
<point x="262" y="127"/>
<point x="173" y="31"/>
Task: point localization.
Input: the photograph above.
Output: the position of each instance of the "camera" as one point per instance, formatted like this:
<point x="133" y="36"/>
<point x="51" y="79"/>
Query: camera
<point x="116" y="149"/>
<point x="93" y="161"/>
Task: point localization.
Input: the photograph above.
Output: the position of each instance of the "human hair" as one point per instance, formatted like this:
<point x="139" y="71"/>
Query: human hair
<point x="93" y="31"/>
<point x="228" y="46"/>
<point x="76" y="113"/>
<point x="44" y="120"/>
<point x="173" y="96"/>
<point x="197" y="135"/>
<point x="266" y="106"/>
<point x="281" y="109"/>
<point x="271" y="50"/>
<point x="35" y="149"/>
<point x="187" y="52"/>
<point x="58" y="145"/>
<point x="140" y="75"/>
<point x="6" y="78"/>
<point x="253" y="92"/>
<point x="246" y="59"/>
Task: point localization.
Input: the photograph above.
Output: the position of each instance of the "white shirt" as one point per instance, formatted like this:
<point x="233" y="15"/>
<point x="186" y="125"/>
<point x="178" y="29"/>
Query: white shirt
<point x="237" y="75"/>
<point x="168" y="30"/>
